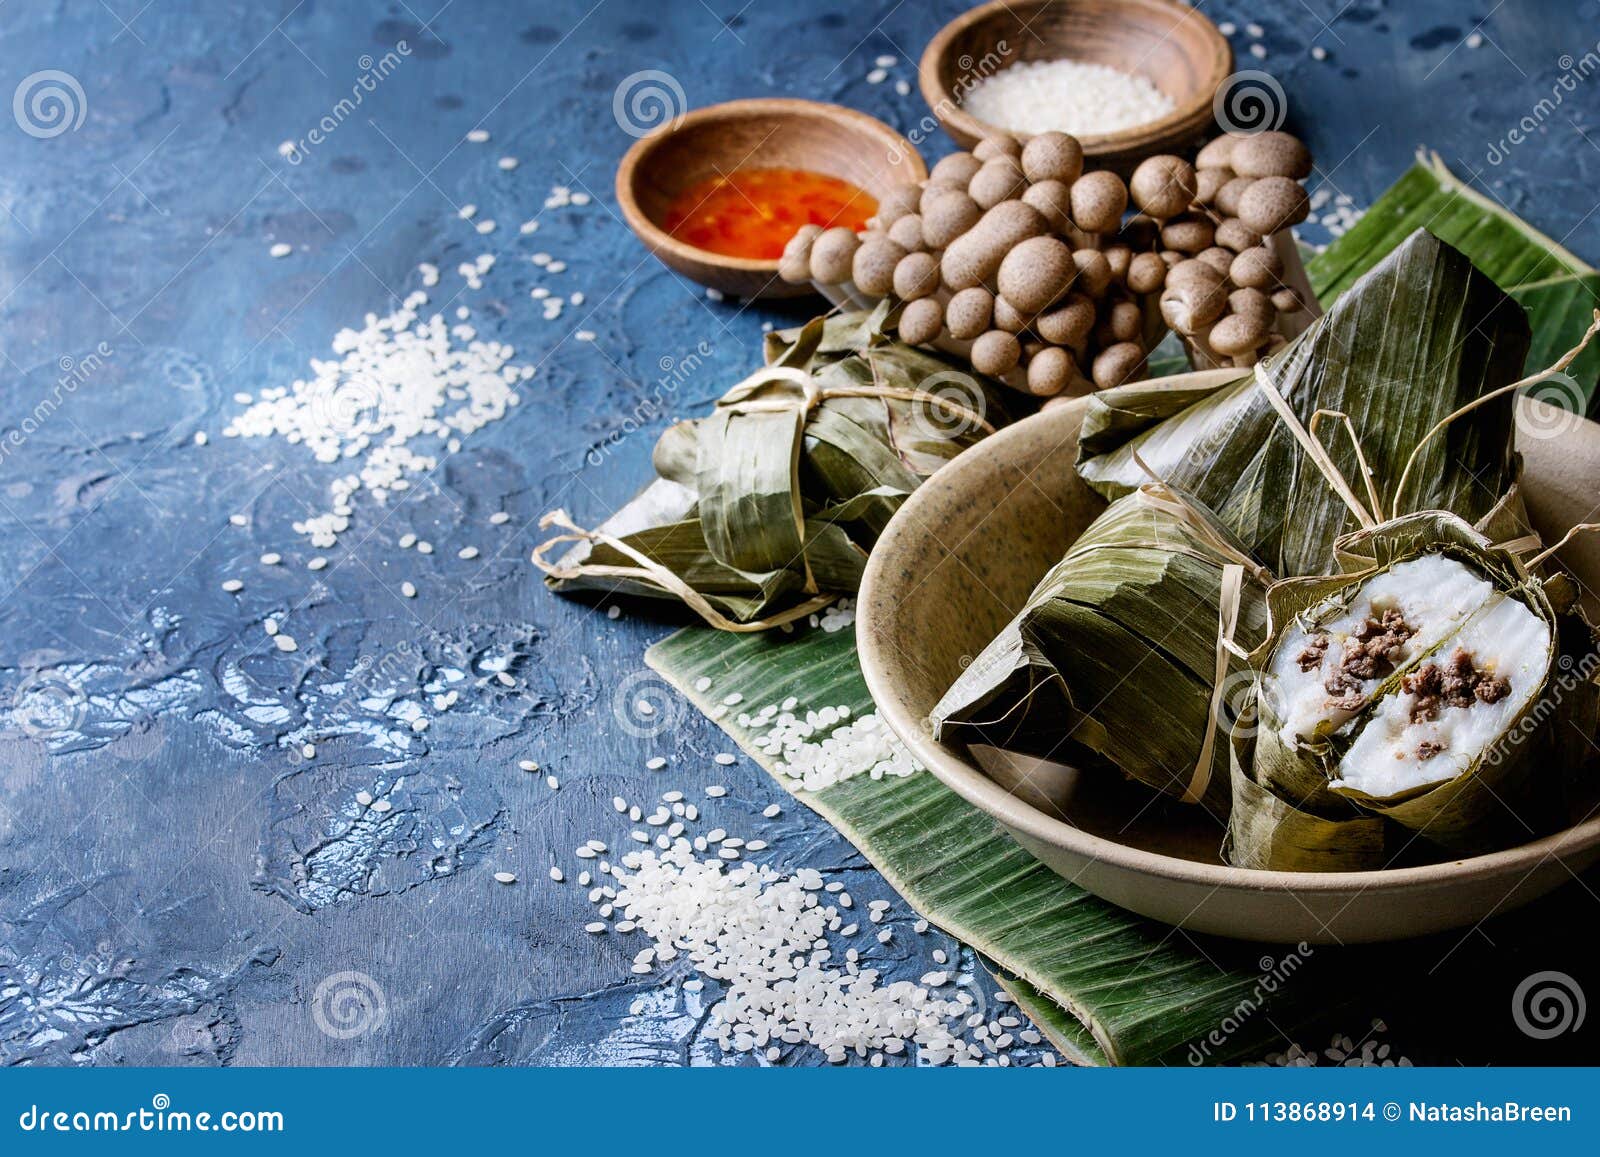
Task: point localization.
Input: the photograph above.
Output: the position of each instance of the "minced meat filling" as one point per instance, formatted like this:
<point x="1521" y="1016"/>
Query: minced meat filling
<point x="1457" y="682"/>
<point x="1315" y="651"/>
<point x="1368" y="654"/>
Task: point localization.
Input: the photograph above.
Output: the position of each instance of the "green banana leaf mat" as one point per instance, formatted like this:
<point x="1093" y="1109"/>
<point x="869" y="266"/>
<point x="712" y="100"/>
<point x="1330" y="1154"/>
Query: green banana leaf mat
<point x="1109" y="987"/>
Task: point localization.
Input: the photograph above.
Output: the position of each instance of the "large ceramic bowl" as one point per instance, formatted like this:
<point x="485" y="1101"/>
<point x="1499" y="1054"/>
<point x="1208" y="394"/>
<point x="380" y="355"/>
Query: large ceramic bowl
<point x="958" y="561"/>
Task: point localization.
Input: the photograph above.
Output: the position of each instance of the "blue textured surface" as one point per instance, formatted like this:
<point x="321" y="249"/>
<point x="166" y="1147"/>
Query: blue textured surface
<point x="175" y="882"/>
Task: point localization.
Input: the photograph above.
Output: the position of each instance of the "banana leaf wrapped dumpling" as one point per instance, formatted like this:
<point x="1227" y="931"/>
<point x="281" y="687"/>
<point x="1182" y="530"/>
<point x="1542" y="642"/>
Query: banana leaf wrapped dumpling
<point x="1446" y="690"/>
<point x="764" y="511"/>
<point x="1118" y="651"/>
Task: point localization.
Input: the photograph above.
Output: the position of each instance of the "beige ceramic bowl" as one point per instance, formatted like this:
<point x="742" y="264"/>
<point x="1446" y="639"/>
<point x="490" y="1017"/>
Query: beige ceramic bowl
<point x="959" y="560"/>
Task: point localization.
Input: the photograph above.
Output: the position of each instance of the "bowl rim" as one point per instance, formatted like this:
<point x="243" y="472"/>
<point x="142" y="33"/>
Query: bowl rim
<point x="1190" y="117"/>
<point x="984" y="793"/>
<point x="662" y="242"/>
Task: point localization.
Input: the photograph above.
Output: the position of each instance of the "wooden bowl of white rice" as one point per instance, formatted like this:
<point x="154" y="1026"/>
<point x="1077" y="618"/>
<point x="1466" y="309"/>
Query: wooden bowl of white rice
<point x="1128" y="78"/>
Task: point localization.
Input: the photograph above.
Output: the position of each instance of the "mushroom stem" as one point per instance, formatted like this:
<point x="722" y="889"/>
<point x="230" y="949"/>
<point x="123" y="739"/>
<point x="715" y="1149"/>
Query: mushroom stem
<point x="1290" y="325"/>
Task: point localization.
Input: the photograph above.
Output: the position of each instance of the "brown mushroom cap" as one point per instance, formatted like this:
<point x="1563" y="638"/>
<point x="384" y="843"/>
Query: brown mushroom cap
<point x="1270" y="154"/>
<point x="1036" y="272"/>
<point x="1146" y="273"/>
<point x="1227" y="199"/>
<point x="1217" y="153"/>
<point x="969" y="313"/>
<point x="1193" y="271"/>
<point x="1068" y="324"/>
<point x="1124" y="321"/>
<point x="1116" y="364"/>
<point x="957" y="169"/>
<point x="906" y="232"/>
<point x="1218" y="258"/>
<point x="872" y="268"/>
<point x="1286" y="300"/>
<point x="1234" y="234"/>
<point x="999" y="180"/>
<point x="1209" y="182"/>
<point x="1273" y="203"/>
<point x="1258" y="268"/>
<point x="1188" y="234"/>
<point x="897" y="202"/>
<point x="1052" y="157"/>
<point x="1194" y="305"/>
<point x="921" y="321"/>
<point x="1254" y="304"/>
<point x="975" y="256"/>
<point x="832" y="255"/>
<point x="948" y="217"/>
<point x="1119" y="257"/>
<point x="1008" y="317"/>
<point x="916" y="275"/>
<point x="1238" y="333"/>
<point x="997" y="145"/>
<point x="1054" y="200"/>
<point x="1163" y="186"/>
<point x="995" y="353"/>
<point x="933" y="190"/>
<point x="1098" y="202"/>
<point x="1094" y="271"/>
<point x="1050" y="371"/>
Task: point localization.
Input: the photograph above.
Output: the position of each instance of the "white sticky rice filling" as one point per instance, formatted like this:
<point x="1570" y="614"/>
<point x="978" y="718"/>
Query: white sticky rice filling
<point x="1506" y="640"/>
<point x="1435" y="594"/>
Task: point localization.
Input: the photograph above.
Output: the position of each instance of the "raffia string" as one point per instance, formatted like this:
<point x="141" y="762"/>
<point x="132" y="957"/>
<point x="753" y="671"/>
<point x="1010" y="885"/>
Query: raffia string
<point x="1315" y="450"/>
<point x="651" y="571"/>
<point x="1560" y="366"/>
<point x="1227" y="624"/>
<point x="1581" y="528"/>
<point x="647" y="569"/>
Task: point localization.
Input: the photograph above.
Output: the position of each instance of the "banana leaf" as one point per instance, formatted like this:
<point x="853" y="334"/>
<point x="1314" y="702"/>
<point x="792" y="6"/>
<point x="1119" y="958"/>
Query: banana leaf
<point x="764" y="510"/>
<point x="1557" y="288"/>
<point x="1116" y="652"/>
<point x="1419" y="336"/>
<point x="1103" y="985"/>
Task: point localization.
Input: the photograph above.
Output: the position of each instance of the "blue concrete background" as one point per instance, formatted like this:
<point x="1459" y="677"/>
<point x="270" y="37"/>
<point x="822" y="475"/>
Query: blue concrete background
<point x="175" y="880"/>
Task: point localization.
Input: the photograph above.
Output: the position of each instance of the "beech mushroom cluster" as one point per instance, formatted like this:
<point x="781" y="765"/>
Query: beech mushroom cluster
<point x="1027" y="261"/>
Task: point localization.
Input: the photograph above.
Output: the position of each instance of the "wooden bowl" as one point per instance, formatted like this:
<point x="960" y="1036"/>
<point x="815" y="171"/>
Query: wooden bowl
<point x="776" y="133"/>
<point x="958" y="561"/>
<point x="1173" y="46"/>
